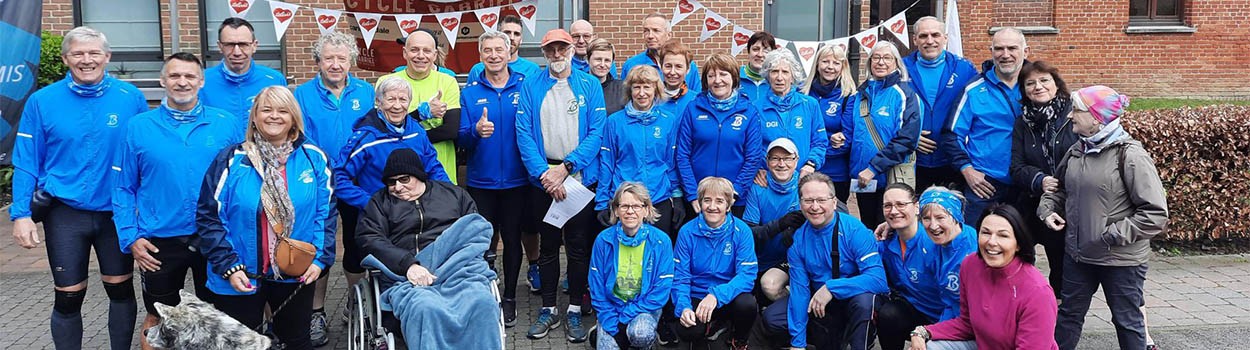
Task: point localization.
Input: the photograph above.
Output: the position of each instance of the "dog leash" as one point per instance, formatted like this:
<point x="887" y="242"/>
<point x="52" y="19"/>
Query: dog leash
<point x="260" y="328"/>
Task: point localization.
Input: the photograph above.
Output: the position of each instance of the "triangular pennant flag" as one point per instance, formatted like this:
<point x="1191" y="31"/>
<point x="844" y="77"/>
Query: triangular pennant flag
<point x="368" y="23"/>
<point x="781" y="43"/>
<point x="449" y="22"/>
<point x="741" y="36"/>
<point x="488" y="18"/>
<point x="843" y="42"/>
<point x="897" y="26"/>
<point x="528" y="11"/>
<point x="282" y="14"/>
<point x="867" y="38"/>
<point x="954" y="40"/>
<point x="239" y="8"/>
<point x="684" y="9"/>
<point x="408" y="23"/>
<point x="327" y="19"/>
<point x="712" y="23"/>
<point x="807" y="53"/>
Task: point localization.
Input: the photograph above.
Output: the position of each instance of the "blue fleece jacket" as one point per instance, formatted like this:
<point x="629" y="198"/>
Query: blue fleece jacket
<point x="227" y="217"/>
<point x="364" y="157"/>
<point x="693" y="79"/>
<point x="638" y="149"/>
<point x="811" y="266"/>
<point x="839" y="115"/>
<point x="657" y="275"/>
<point x="912" y="273"/>
<point x="494" y="162"/>
<point x="714" y="143"/>
<point x="797" y="117"/>
<point x="766" y="204"/>
<point x="237" y="97"/>
<point x="160" y="169"/>
<point x="591" y="115"/>
<point x="718" y="261"/>
<point x="953" y="76"/>
<point x="896" y="113"/>
<point x="65" y="144"/>
<point x="950" y="260"/>
<point x="521" y="65"/>
<point x="328" y="120"/>
<point x="980" y="129"/>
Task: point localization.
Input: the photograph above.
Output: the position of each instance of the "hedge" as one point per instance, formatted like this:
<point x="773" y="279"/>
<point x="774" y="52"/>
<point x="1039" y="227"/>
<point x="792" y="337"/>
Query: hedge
<point x="1203" y="156"/>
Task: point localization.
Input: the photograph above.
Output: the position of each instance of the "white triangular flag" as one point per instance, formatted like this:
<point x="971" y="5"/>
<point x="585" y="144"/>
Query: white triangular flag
<point x="843" y="42"/>
<point x="283" y="13"/>
<point x="488" y="18"/>
<point x="807" y="53"/>
<point x="712" y="23"/>
<point x="867" y="38"/>
<point x="528" y="11"/>
<point x="408" y="23"/>
<point x="327" y="19"/>
<point x="239" y="8"/>
<point x="781" y="43"/>
<point x="741" y="36"/>
<point x="449" y="22"/>
<point x="954" y="41"/>
<point x="368" y="23"/>
<point x="684" y="9"/>
<point x="897" y="26"/>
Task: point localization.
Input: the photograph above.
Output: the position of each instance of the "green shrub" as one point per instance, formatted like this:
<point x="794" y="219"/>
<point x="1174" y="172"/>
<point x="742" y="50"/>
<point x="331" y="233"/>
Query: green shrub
<point x="51" y="68"/>
<point x="6" y="177"/>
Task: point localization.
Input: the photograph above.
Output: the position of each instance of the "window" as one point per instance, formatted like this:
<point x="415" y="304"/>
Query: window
<point x="1155" y="12"/>
<point x="129" y="25"/>
<point x="794" y="19"/>
<point x="552" y="14"/>
<point x="212" y="12"/>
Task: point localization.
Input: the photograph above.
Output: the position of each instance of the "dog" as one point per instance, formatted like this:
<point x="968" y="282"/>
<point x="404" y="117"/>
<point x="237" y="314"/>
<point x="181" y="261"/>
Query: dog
<point x="196" y="325"/>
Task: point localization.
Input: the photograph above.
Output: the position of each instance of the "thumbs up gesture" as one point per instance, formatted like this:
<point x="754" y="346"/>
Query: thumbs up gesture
<point x="484" y="126"/>
<point x="437" y="107"/>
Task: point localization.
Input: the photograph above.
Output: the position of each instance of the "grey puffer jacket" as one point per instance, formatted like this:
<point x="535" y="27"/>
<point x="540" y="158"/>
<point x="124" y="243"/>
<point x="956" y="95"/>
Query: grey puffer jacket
<point x="1113" y="202"/>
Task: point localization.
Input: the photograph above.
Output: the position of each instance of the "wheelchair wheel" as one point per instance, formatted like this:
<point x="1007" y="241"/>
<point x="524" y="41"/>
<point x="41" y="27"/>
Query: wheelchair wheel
<point x="358" y="332"/>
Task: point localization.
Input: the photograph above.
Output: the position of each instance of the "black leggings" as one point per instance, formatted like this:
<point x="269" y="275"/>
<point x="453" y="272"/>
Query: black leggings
<point x="348" y="217"/>
<point x="895" y="321"/>
<point x="577" y="236"/>
<point x="290" y="323"/>
<point x="497" y="206"/>
<point x="739" y="313"/>
<point x="870" y="207"/>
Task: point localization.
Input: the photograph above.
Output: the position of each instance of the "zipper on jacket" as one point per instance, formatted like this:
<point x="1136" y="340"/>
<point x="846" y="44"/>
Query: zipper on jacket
<point x="416" y="239"/>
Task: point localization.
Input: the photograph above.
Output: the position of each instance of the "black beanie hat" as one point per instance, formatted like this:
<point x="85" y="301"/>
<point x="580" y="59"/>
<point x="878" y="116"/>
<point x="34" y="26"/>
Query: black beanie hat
<point x="404" y="161"/>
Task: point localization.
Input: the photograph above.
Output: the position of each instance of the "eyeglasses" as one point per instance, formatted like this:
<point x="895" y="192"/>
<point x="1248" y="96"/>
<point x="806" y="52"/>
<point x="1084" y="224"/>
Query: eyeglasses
<point x="401" y="179"/>
<point x="586" y="37"/>
<point x="821" y="201"/>
<point x="230" y="47"/>
<point x="881" y="59"/>
<point x="781" y="159"/>
<point x="630" y="207"/>
<point x="892" y="206"/>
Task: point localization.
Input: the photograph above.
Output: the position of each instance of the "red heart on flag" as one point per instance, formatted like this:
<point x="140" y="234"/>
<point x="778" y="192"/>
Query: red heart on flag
<point x="327" y="21"/>
<point x="807" y="52"/>
<point x="898" y="26"/>
<point x="711" y="24"/>
<point x="868" y="40"/>
<point x="450" y="23"/>
<point x="684" y="6"/>
<point x="368" y="23"/>
<point x="239" y="5"/>
<point x="741" y="39"/>
<point x="408" y="26"/>
<point x="842" y="46"/>
<point x="528" y="11"/>
<point x="281" y="14"/>
<point x="488" y="19"/>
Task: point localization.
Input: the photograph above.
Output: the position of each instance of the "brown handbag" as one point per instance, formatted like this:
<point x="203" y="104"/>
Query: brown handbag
<point x="294" y="256"/>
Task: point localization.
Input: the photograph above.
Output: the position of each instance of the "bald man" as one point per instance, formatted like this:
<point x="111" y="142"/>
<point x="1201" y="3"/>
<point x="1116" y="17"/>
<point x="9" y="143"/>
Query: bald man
<point x="656" y="32"/>
<point x="440" y="117"/>
<point x="583" y="33"/>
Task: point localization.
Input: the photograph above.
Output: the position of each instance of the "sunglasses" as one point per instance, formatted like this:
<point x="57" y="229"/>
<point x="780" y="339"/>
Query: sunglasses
<point x="401" y="179"/>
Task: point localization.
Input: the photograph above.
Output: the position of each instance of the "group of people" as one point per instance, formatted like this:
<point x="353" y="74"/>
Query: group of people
<point x="719" y="191"/>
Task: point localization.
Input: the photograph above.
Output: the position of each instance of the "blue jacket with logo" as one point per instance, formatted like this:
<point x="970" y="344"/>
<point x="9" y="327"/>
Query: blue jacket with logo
<point x="364" y="157"/>
<point x="839" y="114"/>
<point x="521" y="65"/>
<point x="896" y="113"/>
<point x="912" y="273"/>
<point x="767" y="204"/>
<point x="328" y="120"/>
<point x="693" y="79"/>
<point x="494" y="162"/>
<point x="591" y="115"/>
<point x="657" y="275"/>
<point x="980" y="129"/>
<point x="719" y="261"/>
<point x="950" y="260"/>
<point x="227" y="216"/>
<point x="65" y="144"/>
<point x="811" y="266"/>
<point x="237" y="98"/>
<point x="637" y="150"/>
<point x="160" y="169"/>
<point x="798" y="118"/>
<point x="714" y="143"/>
<point x="957" y="73"/>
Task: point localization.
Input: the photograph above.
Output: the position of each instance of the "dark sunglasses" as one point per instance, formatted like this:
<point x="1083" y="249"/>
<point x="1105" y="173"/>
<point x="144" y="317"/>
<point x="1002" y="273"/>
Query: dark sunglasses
<point x="403" y="179"/>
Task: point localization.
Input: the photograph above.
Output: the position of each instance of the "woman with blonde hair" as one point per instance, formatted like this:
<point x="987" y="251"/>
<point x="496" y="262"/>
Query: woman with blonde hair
<point x="886" y="131"/>
<point x="837" y="98"/>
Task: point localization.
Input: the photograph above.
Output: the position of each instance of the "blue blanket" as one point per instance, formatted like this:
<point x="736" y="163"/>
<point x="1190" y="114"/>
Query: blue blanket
<point x="458" y="310"/>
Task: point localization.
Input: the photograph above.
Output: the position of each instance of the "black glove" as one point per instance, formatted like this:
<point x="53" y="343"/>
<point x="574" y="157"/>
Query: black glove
<point x="604" y="217"/>
<point x="792" y="220"/>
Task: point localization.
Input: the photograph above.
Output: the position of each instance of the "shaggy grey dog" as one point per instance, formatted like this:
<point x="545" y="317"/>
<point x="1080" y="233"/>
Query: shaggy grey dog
<point x="196" y="325"/>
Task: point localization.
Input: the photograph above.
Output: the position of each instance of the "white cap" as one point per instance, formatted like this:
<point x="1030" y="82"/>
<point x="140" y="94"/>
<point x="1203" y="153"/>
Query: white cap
<point x="785" y="144"/>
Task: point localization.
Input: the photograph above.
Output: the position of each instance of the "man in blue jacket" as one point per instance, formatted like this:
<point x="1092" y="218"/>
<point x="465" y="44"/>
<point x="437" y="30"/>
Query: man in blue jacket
<point x="160" y="169"/>
<point x="510" y="25"/>
<point x="938" y="77"/>
<point x="837" y="304"/>
<point x="583" y="33"/>
<point x="65" y="143"/>
<point x="233" y="84"/>
<point x="979" y="138"/>
<point x="656" y="32"/>
<point x="559" y="131"/>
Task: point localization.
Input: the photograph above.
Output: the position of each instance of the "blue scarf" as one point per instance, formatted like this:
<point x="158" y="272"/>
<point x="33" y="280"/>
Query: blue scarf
<point x="182" y="117"/>
<point x="723" y="105"/>
<point x="785" y="187"/>
<point x="707" y="230"/>
<point x="931" y="64"/>
<point x="237" y="79"/>
<point x="1110" y="132"/>
<point x="954" y="207"/>
<point x="826" y="90"/>
<point x="393" y="127"/>
<point x="783" y="103"/>
<point x="93" y="90"/>
<point x="641" y="117"/>
<point x="628" y="241"/>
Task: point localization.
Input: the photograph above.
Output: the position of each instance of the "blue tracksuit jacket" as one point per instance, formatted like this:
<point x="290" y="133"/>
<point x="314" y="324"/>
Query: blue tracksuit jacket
<point x="839" y="115"/>
<point x="328" y="120"/>
<point x="364" y="157"/>
<point x="980" y="129"/>
<point x="799" y="120"/>
<point x="753" y="89"/>
<point x="590" y="118"/>
<point x="677" y="107"/>
<point x="494" y="162"/>
<point x="237" y="98"/>
<point x="811" y="266"/>
<point x="896" y="113"/>
<point x="950" y="258"/>
<point x="766" y="204"/>
<point x="657" y="275"/>
<point x="719" y="261"/>
<point x="913" y="274"/>
<point x="713" y="143"/>
<point x="957" y="73"/>
<point x="636" y="151"/>
<point x="693" y="79"/>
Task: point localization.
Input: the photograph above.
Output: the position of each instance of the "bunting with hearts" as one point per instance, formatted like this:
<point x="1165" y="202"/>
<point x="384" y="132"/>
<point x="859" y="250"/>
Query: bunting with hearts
<point x="450" y="24"/>
<point x="867" y="38"/>
<point x="528" y="11"/>
<point x="488" y="18"/>
<point x="897" y="26"/>
<point x="368" y="23"/>
<point x="408" y="23"/>
<point x="239" y="8"/>
<point x="843" y="43"/>
<point x="781" y="43"/>
<point x="712" y="23"/>
<point x="282" y="14"/>
<point x="741" y="36"/>
<point x="684" y="9"/>
<point x="327" y="19"/>
<point x="807" y="53"/>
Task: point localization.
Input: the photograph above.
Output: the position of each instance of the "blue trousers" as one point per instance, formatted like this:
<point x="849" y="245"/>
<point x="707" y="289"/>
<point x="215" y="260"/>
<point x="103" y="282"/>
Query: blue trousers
<point x="1121" y="285"/>
<point x="1003" y="193"/>
<point x="847" y="322"/>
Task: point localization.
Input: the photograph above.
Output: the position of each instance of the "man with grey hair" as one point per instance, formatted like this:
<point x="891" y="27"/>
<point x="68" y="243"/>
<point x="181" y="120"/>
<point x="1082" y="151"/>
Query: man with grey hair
<point x="938" y="77"/>
<point x="510" y="25"/>
<point x="655" y="33"/>
<point x="332" y="101"/>
<point x="66" y="142"/>
<point x="234" y="84"/>
<point x="979" y="137"/>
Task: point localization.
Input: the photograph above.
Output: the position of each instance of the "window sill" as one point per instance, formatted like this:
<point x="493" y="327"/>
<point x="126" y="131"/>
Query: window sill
<point x="1158" y="29"/>
<point x="1029" y="30"/>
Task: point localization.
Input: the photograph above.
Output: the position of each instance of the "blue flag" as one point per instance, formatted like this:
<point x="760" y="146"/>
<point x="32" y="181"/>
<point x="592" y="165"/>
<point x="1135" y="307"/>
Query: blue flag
<point x="19" y="65"/>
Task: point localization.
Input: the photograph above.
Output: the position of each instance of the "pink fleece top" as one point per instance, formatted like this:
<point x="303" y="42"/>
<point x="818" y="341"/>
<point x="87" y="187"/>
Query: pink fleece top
<point x="1002" y="308"/>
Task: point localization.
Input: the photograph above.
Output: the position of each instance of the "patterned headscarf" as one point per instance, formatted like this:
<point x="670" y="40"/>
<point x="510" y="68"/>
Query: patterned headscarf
<point x="946" y="200"/>
<point x="1104" y="103"/>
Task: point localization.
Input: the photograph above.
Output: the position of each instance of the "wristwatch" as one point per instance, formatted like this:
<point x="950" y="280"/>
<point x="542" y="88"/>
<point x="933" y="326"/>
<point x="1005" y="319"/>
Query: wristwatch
<point x="568" y="166"/>
<point x="921" y="332"/>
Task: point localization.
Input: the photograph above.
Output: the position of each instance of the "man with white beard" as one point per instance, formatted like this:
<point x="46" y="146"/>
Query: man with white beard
<point x="559" y="129"/>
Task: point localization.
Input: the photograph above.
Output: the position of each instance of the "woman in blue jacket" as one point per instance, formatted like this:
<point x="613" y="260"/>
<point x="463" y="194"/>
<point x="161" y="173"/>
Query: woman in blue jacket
<point x="837" y="98"/>
<point x="788" y="113"/>
<point x="720" y="133"/>
<point x="890" y="105"/>
<point x="716" y="269"/>
<point x="674" y="63"/>
<point x="638" y="144"/>
<point x="272" y="187"/>
<point x="631" y="271"/>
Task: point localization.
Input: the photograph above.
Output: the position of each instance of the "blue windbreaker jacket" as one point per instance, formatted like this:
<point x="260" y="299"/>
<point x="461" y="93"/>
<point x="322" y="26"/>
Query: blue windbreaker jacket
<point x="896" y="113"/>
<point x="591" y="115"/>
<point x="237" y="98"/>
<point x="980" y="129"/>
<point x="800" y="120"/>
<point x="767" y="204"/>
<point x="160" y="169"/>
<point x="328" y="123"/>
<point x="725" y="144"/>
<point x="720" y="262"/>
<point x="65" y="144"/>
<point x="839" y="114"/>
<point x="914" y="275"/>
<point x="951" y="258"/>
<point x="364" y="157"/>
<point x="494" y="162"/>
<point x="657" y="275"/>
<point x="753" y="89"/>
<point x="693" y="79"/>
<point x="957" y="73"/>
<point x="811" y="265"/>
<point x="636" y="151"/>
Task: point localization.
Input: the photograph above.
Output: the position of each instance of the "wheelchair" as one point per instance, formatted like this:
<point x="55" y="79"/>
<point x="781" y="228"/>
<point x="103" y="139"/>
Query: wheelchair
<point x="365" y="330"/>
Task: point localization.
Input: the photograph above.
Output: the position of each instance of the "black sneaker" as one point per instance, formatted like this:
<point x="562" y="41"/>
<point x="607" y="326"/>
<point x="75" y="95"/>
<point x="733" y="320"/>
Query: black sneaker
<point x="509" y="312"/>
<point x="666" y="334"/>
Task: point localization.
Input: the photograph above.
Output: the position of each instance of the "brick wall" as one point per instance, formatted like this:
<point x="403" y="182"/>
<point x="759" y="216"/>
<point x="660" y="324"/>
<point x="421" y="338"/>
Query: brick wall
<point x="1024" y="13"/>
<point x="621" y="23"/>
<point x="58" y="16"/>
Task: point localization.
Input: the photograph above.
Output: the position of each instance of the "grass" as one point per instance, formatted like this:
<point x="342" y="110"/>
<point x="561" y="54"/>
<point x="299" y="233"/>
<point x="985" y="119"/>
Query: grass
<point x="1141" y="104"/>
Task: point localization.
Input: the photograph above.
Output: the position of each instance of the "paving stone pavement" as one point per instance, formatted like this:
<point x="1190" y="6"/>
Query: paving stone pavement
<point x="1183" y="295"/>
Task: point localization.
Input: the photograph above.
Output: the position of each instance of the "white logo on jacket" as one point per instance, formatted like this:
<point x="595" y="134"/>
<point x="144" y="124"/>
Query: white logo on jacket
<point x="883" y="112"/>
<point x="355" y="104"/>
<point x="952" y="282"/>
<point x="914" y="275"/>
<point x="729" y="248"/>
<point x="516" y="98"/>
<point x="306" y="176"/>
<point x="798" y="122"/>
<point x="113" y="122"/>
<point x="738" y="119"/>
<point x="833" y="108"/>
<point x="657" y="132"/>
<point x="951" y="82"/>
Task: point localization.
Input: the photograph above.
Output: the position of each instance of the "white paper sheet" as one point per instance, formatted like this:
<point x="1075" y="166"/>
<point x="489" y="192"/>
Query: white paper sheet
<point x="575" y="199"/>
<point x="872" y="186"/>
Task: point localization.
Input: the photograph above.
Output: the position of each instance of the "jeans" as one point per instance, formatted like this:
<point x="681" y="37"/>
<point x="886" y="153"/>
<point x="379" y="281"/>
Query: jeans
<point x="638" y="333"/>
<point x="1122" y="286"/>
<point x="497" y="207"/>
<point x="951" y="345"/>
<point x="976" y="205"/>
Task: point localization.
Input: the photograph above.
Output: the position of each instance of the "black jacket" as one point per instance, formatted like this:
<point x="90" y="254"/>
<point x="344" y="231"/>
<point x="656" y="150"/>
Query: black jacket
<point x="393" y="230"/>
<point x="1029" y="163"/>
<point x="614" y="94"/>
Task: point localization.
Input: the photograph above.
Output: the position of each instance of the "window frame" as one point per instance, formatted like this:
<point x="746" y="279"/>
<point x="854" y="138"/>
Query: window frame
<point x="209" y="52"/>
<point x="1152" y="18"/>
<point x="121" y="57"/>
